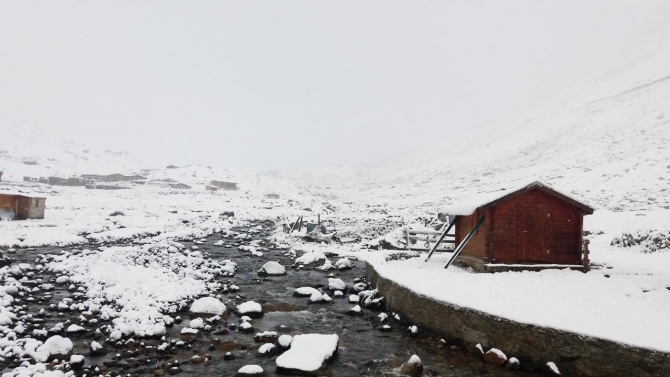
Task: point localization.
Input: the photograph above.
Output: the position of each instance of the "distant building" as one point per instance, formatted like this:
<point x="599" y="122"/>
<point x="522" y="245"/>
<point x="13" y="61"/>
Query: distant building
<point x="272" y="196"/>
<point x="211" y="188"/>
<point x="224" y="185"/>
<point x="116" y="177"/>
<point x="171" y="167"/>
<point x="21" y="206"/>
<point x="180" y="186"/>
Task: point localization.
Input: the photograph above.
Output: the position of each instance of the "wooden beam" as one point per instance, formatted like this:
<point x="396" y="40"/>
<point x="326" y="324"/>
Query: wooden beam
<point x="464" y="242"/>
<point x="444" y="234"/>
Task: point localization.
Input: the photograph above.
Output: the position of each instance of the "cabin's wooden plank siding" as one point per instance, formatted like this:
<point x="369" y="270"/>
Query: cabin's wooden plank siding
<point x="532" y="227"/>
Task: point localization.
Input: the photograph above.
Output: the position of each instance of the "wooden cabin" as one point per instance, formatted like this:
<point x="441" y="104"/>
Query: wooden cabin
<point x="528" y="228"/>
<point x="22" y="206"/>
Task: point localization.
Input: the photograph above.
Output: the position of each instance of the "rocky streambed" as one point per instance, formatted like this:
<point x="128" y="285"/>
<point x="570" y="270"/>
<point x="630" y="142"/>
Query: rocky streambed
<point x="369" y="344"/>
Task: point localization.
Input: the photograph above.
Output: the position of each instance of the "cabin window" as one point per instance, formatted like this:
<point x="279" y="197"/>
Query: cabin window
<point x="37" y="202"/>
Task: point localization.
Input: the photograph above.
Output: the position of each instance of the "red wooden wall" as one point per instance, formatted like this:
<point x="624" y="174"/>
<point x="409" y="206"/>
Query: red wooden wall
<point x="532" y="227"/>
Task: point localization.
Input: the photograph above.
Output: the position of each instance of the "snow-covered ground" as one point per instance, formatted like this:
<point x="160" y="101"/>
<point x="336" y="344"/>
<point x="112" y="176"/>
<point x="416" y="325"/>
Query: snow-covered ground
<point x="608" y="144"/>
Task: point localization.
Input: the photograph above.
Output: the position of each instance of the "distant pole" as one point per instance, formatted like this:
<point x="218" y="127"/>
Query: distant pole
<point x="75" y="164"/>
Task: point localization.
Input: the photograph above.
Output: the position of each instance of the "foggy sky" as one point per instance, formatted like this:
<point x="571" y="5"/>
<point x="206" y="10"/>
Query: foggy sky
<point x="276" y="84"/>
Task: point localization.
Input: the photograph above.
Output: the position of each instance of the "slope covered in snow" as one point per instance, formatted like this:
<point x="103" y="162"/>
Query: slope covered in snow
<point x="607" y="142"/>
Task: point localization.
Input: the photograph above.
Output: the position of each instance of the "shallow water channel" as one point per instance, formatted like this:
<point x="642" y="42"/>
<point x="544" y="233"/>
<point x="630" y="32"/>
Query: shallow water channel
<point x="363" y="349"/>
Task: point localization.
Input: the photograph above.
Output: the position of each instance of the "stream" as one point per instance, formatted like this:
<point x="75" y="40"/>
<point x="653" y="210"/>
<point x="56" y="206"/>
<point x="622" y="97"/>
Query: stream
<point x="363" y="349"/>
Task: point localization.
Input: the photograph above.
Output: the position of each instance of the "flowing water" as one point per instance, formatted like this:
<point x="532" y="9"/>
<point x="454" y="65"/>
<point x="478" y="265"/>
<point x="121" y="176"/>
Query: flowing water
<point x="363" y="349"/>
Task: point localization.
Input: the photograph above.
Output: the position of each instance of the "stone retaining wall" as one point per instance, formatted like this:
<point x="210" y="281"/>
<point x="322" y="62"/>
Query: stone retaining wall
<point x="574" y="354"/>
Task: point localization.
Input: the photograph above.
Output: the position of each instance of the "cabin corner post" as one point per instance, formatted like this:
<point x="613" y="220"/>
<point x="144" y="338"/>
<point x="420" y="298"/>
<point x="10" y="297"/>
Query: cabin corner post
<point x="490" y="215"/>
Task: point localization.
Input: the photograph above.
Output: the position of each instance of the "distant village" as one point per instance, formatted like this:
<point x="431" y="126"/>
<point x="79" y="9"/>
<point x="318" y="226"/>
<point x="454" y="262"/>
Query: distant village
<point x="22" y="205"/>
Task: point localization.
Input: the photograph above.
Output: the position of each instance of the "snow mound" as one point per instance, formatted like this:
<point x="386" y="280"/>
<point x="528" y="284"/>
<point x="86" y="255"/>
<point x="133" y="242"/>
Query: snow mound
<point x="311" y="257"/>
<point x="208" y="305"/>
<point x="335" y="284"/>
<point x="308" y="352"/>
<point x="249" y="307"/>
<point x="272" y="268"/>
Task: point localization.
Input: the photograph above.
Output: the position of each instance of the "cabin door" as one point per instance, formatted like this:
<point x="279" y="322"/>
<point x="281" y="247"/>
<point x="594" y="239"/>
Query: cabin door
<point x="533" y="245"/>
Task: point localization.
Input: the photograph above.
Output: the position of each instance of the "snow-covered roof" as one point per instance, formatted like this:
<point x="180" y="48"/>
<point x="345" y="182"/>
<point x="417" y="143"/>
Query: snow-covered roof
<point x="28" y="194"/>
<point x="470" y="205"/>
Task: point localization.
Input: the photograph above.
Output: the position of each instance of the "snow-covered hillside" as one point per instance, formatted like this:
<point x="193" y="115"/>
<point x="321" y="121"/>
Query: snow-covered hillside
<point x="607" y="142"/>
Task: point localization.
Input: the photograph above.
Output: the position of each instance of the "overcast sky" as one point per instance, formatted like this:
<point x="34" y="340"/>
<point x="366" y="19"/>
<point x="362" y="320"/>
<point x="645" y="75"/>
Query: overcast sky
<point x="271" y="84"/>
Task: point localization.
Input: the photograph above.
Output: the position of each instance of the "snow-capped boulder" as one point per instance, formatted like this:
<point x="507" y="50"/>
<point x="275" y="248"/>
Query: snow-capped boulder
<point x="335" y="284"/>
<point x="268" y="349"/>
<point x="208" y="305"/>
<point x="495" y="356"/>
<point x="272" y="269"/>
<point x="55" y="347"/>
<point x="97" y="349"/>
<point x="308" y="354"/>
<point x="513" y="364"/>
<point x="305" y="292"/>
<point x="251" y="371"/>
<point x="266" y="337"/>
<point x="344" y="264"/>
<point x="311" y="257"/>
<point x="413" y="366"/>
<point x="77" y="362"/>
<point x="285" y="341"/>
<point x="250" y="308"/>
<point x="356" y="311"/>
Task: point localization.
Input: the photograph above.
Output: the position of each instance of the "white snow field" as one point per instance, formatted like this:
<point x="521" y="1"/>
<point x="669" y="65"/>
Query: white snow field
<point x="608" y="144"/>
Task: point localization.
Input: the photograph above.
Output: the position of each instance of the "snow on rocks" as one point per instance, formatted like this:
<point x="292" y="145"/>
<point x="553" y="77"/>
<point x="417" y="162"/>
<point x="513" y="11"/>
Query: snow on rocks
<point x="135" y="286"/>
<point x="344" y="264"/>
<point x="335" y="284"/>
<point x="513" y="364"/>
<point x="55" y="347"/>
<point x="413" y="366"/>
<point x="251" y="371"/>
<point x="208" y="305"/>
<point x="266" y="337"/>
<point x="308" y="354"/>
<point x="267" y="349"/>
<point x="305" y="292"/>
<point x="272" y="269"/>
<point x="495" y="356"/>
<point x="250" y="308"/>
<point x="551" y="369"/>
<point x="285" y="341"/>
<point x="311" y="257"/>
<point x="355" y="311"/>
